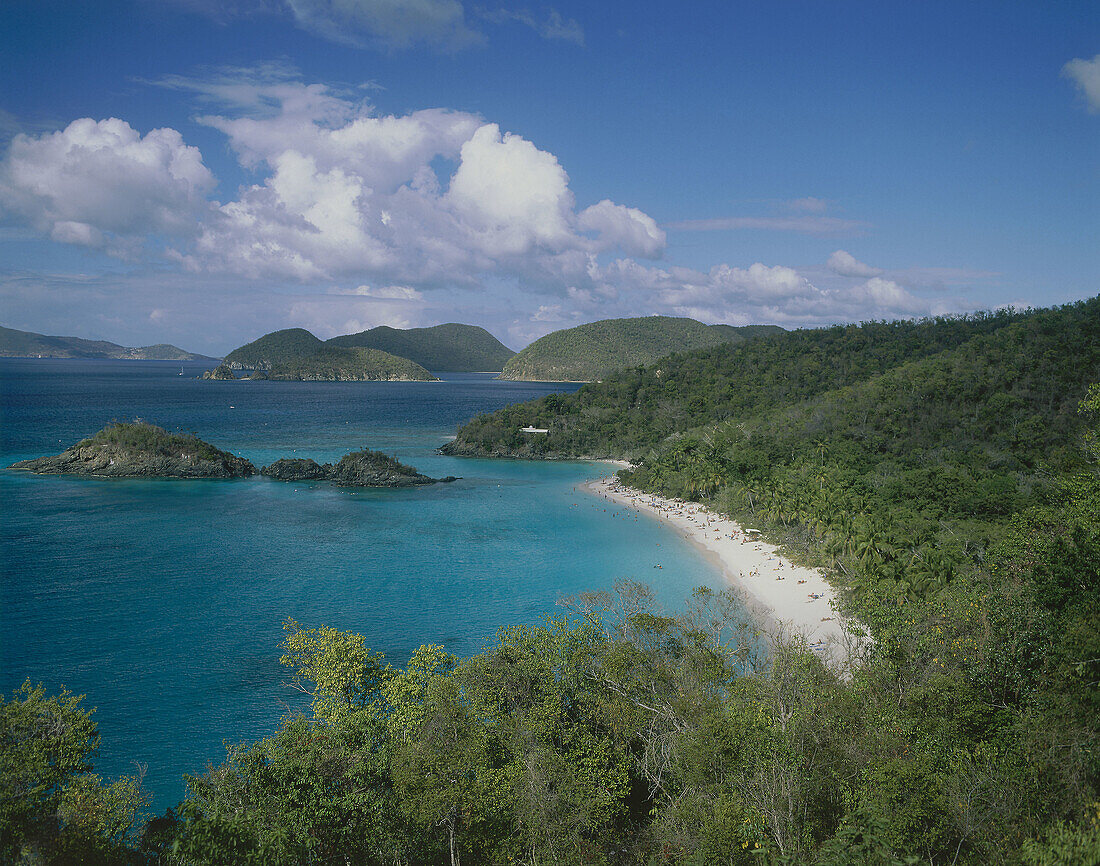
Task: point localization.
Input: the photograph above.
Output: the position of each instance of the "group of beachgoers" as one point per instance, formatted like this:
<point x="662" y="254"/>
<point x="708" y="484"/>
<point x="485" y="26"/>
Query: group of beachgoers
<point x="745" y="558"/>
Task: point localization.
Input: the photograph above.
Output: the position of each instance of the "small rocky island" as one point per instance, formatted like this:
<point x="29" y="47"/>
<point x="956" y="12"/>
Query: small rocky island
<point x="364" y="468"/>
<point x="139" y="450"/>
<point x="136" y="449"/>
<point x="221" y="372"/>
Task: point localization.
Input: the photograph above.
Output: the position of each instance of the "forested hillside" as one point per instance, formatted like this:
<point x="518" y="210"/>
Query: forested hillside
<point x="451" y="347"/>
<point x="634" y="409"/>
<point x="945" y="473"/>
<point x="597" y="349"/>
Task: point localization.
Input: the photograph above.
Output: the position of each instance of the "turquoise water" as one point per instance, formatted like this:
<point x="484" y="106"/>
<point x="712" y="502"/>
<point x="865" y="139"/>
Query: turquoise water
<point x="163" y="600"/>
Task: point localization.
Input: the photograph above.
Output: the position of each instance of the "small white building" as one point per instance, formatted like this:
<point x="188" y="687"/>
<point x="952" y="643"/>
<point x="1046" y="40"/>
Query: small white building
<point x="533" y="430"/>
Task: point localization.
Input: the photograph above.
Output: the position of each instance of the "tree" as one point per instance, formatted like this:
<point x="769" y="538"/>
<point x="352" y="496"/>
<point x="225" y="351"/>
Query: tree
<point x="336" y="670"/>
<point x="51" y="805"/>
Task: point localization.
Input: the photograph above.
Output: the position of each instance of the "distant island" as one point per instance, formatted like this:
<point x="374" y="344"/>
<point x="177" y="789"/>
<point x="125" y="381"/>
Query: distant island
<point x="595" y="350"/>
<point x="27" y="344"/>
<point x="294" y="354"/>
<point x="583" y="354"/>
<point x="364" y="468"/>
<point x="139" y="450"/>
<point x="136" y="449"/>
<point x="452" y="347"/>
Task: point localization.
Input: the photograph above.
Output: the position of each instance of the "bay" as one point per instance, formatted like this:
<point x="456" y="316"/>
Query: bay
<point x="164" y="600"/>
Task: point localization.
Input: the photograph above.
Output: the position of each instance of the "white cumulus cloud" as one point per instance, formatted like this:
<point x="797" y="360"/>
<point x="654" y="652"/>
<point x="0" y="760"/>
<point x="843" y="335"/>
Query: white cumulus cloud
<point x="103" y="184"/>
<point x="847" y="265"/>
<point x="433" y="197"/>
<point x="512" y="196"/>
<point x="1086" y="75"/>
<point x="626" y="228"/>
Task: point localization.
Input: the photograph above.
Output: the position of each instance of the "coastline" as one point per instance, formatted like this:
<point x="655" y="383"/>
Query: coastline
<point x="782" y="596"/>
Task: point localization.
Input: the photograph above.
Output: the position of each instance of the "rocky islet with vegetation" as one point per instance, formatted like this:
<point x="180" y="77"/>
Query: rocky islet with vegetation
<point x="140" y="450"/>
<point x="364" y="468"/>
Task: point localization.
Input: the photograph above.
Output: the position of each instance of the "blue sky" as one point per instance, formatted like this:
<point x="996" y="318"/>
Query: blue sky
<point x="202" y="172"/>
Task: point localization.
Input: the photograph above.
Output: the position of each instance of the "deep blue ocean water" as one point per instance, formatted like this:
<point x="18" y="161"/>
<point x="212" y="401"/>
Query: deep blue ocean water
<point x="163" y="600"/>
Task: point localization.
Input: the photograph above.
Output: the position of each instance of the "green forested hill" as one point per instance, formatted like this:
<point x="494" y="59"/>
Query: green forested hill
<point x="26" y="344"/>
<point x="635" y="409"/>
<point x="296" y="354"/>
<point x="594" y="351"/>
<point x="274" y="348"/>
<point x="451" y="347"/>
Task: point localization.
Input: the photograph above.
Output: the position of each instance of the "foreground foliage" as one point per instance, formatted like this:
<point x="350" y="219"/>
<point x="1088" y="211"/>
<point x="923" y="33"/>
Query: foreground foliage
<point x="52" y="807"/>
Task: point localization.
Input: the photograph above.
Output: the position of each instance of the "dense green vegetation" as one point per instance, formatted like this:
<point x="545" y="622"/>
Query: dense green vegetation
<point x="53" y="808"/>
<point x="451" y="347"/>
<point x="595" y="350"/>
<point x="146" y="438"/>
<point x="26" y="344"/>
<point x="276" y="347"/>
<point x="636" y="409"/>
<point x="896" y="454"/>
<point x="296" y="354"/>
<point x="222" y="372"/>
<point x="946" y="474"/>
<point x="328" y="364"/>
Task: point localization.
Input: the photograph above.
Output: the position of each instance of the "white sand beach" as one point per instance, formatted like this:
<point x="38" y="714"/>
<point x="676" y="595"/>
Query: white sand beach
<point x="780" y="592"/>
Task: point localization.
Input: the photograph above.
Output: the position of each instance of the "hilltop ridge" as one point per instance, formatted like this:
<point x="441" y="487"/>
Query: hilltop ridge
<point x="27" y="344"/>
<point x="597" y="349"/>
<point x="294" y="354"/>
<point x="451" y="347"/>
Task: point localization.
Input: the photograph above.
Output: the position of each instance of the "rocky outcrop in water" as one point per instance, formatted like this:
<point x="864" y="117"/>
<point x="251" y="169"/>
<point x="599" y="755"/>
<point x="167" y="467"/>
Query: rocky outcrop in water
<point x="297" y="469"/>
<point x="222" y="372"/>
<point x="364" y="468"/>
<point x="140" y="450"/>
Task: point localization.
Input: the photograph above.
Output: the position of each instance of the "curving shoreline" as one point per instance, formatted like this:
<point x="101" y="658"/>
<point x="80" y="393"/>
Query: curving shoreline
<point x="781" y="594"/>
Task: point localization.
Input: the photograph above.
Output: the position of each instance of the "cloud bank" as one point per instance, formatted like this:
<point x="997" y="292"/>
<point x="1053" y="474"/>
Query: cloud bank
<point x="366" y="218"/>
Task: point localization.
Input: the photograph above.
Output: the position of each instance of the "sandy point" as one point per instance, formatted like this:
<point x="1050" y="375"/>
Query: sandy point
<point x="783" y="596"/>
